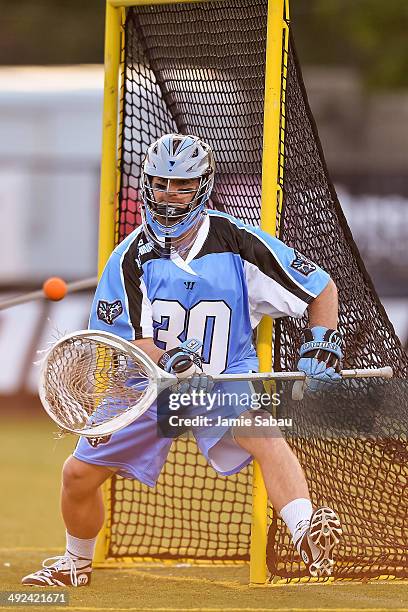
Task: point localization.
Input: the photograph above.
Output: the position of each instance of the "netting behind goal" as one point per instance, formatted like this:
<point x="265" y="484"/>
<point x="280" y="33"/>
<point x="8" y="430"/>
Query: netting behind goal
<point x="364" y="475"/>
<point x="199" y="68"/>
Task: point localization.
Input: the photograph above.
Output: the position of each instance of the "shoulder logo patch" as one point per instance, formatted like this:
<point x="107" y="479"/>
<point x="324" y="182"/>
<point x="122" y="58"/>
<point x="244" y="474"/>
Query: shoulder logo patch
<point x="302" y="264"/>
<point x="109" y="311"/>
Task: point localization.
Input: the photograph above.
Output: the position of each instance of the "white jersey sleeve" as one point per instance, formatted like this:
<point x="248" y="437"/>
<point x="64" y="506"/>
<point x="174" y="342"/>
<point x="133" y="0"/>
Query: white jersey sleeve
<point x="281" y="281"/>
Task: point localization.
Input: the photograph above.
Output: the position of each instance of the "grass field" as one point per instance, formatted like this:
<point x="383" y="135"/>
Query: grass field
<point x="31" y="530"/>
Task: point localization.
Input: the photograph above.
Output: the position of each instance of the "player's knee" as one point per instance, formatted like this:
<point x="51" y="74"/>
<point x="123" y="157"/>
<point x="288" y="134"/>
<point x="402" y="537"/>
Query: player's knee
<point x="80" y="478"/>
<point x="263" y="447"/>
<point x="73" y="476"/>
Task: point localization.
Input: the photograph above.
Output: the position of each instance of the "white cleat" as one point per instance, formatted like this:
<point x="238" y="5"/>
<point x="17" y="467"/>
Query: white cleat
<point x="319" y="541"/>
<point x="65" y="571"/>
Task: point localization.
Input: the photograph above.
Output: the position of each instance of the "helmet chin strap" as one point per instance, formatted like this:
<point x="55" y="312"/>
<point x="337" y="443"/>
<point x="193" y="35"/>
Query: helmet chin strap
<point x="167" y="245"/>
<point x="183" y="244"/>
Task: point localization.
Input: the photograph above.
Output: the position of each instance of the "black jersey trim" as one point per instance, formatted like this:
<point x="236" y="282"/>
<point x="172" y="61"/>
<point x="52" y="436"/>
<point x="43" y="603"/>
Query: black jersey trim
<point x="131" y="268"/>
<point x="224" y="236"/>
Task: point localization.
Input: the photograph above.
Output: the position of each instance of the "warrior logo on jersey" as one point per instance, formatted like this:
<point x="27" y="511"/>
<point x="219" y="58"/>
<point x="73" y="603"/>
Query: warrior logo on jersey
<point x="302" y="264"/>
<point x="109" y="311"/>
<point x="97" y="440"/>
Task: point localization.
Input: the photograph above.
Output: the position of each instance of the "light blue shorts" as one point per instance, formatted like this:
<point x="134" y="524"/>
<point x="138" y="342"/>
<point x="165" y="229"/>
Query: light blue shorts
<point x="139" y="452"/>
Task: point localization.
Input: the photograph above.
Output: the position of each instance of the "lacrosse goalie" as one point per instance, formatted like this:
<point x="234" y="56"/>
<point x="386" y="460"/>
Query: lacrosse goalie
<point x="189" y="272"/>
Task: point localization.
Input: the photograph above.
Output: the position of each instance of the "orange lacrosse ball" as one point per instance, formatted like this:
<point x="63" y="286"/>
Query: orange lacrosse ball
<point x="55" y="288"/>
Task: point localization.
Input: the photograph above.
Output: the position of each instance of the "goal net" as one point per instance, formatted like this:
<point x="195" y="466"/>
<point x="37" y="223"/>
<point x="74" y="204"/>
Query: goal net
<point x="199" y="68"/>
<point x="363" y="474"/>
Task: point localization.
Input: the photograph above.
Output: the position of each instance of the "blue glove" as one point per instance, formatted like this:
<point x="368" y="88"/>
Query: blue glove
<point x="320" y="358"/>
<point x="185" y="363"/>
<point x="199" y="382"/>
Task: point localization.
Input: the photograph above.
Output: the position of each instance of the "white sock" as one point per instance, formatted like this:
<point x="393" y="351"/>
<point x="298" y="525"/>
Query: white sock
<point x="296" y="515"/>
<point x="76" y="547"/>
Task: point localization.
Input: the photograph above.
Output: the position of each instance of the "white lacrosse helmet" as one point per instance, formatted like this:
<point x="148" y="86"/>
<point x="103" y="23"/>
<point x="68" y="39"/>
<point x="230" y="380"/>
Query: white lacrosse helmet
<point x="169" y="226"/>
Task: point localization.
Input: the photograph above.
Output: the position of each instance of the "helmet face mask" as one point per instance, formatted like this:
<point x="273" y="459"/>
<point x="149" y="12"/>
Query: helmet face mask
<point x="170" y="200"/>
<point x="176" y="182"/>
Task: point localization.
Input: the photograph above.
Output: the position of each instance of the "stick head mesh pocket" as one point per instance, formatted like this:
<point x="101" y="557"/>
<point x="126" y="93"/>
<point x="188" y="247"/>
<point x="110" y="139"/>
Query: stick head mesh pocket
<point x="93" y="383"/>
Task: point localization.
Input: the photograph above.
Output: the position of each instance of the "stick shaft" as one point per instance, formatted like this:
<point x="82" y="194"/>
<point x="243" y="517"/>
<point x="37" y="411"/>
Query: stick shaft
<point x="385" y="372"/>
<point x="87" y="283"/>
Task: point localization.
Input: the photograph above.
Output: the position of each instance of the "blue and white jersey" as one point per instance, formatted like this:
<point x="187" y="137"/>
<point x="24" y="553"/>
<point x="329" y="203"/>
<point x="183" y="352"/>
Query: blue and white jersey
<point x="233" y="275"/>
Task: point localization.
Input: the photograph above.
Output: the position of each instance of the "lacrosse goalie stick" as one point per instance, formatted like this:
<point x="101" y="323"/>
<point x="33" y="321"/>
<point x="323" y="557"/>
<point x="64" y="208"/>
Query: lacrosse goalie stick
<point x="93" y="383"/>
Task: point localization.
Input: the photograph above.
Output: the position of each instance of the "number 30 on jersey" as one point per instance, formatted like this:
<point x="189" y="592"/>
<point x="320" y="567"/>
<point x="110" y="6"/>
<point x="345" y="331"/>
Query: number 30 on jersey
<point x="208" y="321"/>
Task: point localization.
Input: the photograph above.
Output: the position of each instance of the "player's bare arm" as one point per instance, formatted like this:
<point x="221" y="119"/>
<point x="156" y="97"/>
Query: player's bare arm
<point x="148" y="346"/>
<point x="321" y="346"/>
<point x="324" y="309"/>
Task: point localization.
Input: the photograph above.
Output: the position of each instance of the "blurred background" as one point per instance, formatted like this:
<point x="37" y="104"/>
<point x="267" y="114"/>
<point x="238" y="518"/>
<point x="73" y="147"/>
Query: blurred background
<point x="355" y="64"/>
